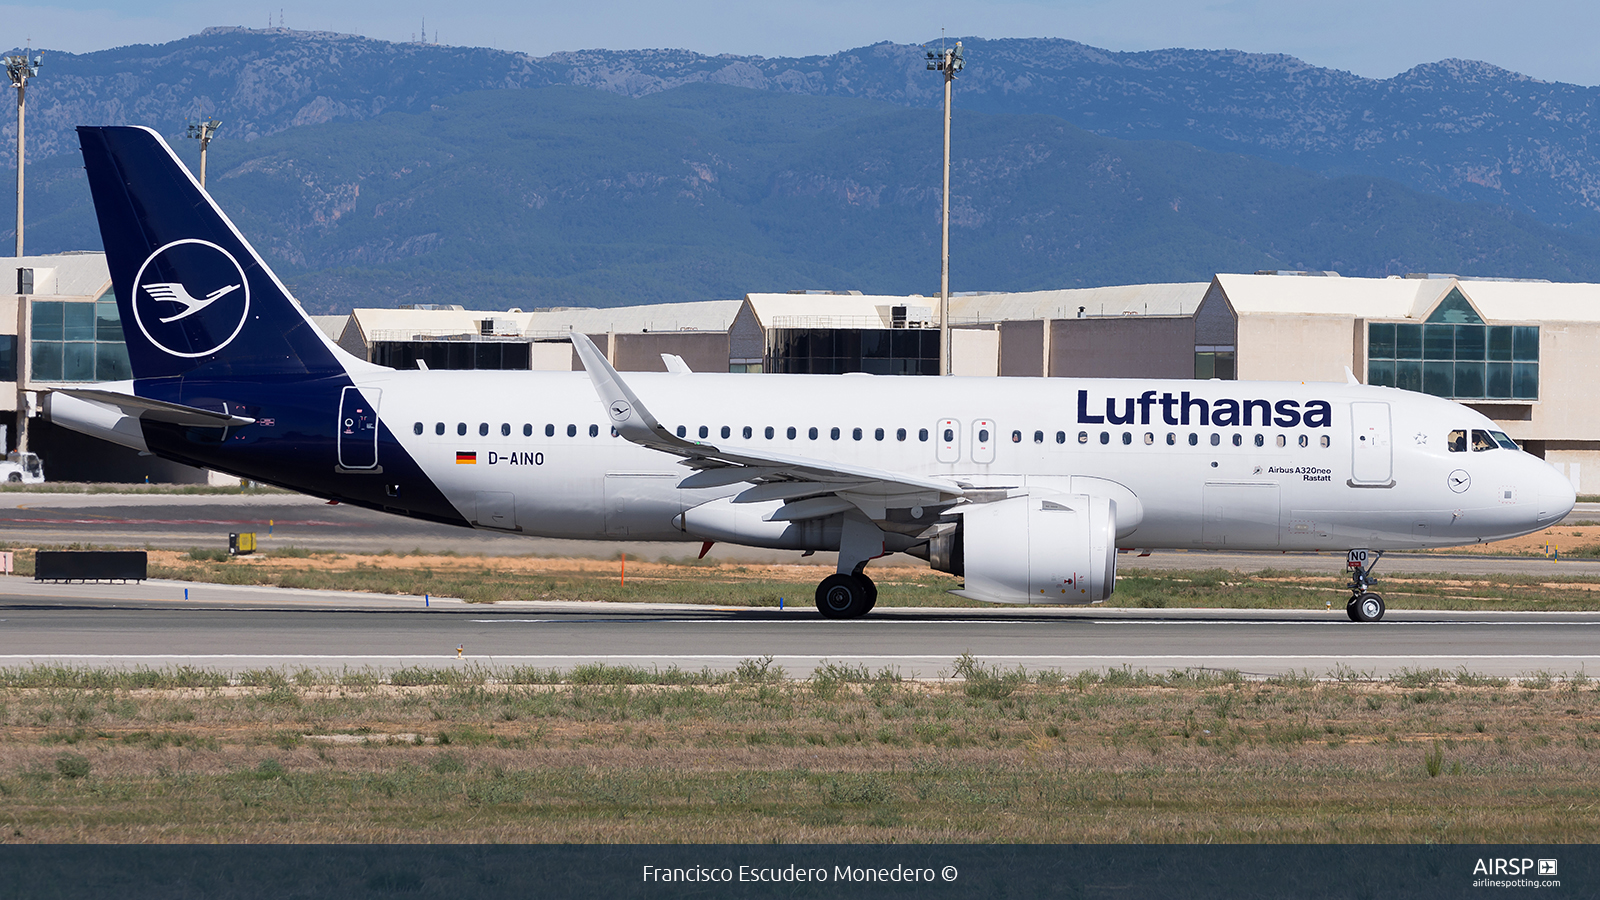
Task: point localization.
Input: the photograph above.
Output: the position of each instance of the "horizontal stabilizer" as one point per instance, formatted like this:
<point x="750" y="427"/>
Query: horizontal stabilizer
<point x="159" y="410"/>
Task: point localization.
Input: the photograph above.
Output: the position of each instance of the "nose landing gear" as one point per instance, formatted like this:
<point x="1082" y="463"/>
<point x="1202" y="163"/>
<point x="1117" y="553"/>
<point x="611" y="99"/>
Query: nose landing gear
<point x="1363" y="605"/>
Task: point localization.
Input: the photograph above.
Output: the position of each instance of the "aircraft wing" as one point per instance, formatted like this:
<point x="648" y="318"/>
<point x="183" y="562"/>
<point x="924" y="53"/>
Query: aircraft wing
<point x="804" y="482"/>
<point x="158" y="410"/>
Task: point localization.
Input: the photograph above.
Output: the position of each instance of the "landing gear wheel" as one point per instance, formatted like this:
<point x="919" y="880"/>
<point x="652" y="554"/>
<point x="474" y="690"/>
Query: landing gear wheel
<point x="1350" y="610"/>
<point x="1368" y="608"/>
<point x="841" y="596"/>
<point x="872" y="591"/>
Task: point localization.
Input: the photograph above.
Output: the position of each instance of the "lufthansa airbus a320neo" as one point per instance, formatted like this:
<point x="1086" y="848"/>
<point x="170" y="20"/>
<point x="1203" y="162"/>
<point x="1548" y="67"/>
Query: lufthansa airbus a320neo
<point x="1025" y="487"/>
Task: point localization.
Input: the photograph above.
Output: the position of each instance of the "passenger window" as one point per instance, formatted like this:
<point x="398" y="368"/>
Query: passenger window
<point x="550" y="431"/>
<point x="704" y="432"/>
<point x="505" y="429"/>
<point x="682" y="431"/>
<point x="483" y="429"/>
<point x="983" y="435"/>
<point x="1083" y="437"/>
<point x="833" y="433"/>
<point x="949" y="435"/>
<point x="1457" y="442"/>
<point x="1061" y="437"/>
<point x="1194" y="439"/>
<point x="572" y="431"/>
<point x="748" y="432"/>
<point x="1305" y="441"/>
<point x="1238" y="440"/>
<point x="726" y="432"/>
<point x="791" y="433"/>
<point x="1171" y="439"/>
<point x="1038" y="437"/>
<point x="527" y="430"/>
<point x="1282" y="441"/>
<point x="1216" y="439"/>
<point x="594" y="431"/>
<point x="1261" y="440"/>
<point x="855" y="434"/>
<point x="1149" y="438"/>
<point x="922" y="434"/>
<point x="1127" y="438"/>
<point x="416" y="429"/>
<point x="899" y="434"/>
<point x="877" y="434"/>
<point x="461" y="428"/>
<point x="438" y="428"/>
<point x="812" y="433"/>
<point x="768" y="432"/>
<point x="1105" y="437"/>
<point x="1016" y="437"/>
<point x="1481" y="441"/>
<point x="1326" y="442"/>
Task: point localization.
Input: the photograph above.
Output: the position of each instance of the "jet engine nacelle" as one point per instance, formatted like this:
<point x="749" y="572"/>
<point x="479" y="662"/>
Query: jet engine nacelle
<point x="1040" y="548"/>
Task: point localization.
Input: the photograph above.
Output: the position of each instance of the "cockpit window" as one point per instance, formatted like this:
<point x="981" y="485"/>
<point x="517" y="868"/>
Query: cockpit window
<point x="1504" y="441"/>
<point x="1457" y="442"/>
<point x="1481" y="441"/>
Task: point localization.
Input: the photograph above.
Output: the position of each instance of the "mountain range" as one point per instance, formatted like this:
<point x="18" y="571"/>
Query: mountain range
<point x="376" y="173"/>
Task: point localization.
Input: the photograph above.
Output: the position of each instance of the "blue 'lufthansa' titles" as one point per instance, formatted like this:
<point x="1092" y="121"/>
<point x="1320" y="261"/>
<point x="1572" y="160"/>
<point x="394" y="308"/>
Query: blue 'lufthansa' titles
<point x="1186" y="410"/>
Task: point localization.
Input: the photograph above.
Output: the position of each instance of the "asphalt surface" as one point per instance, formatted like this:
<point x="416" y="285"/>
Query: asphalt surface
<point x="240" y="628"/>
<point x="159" y="624"/>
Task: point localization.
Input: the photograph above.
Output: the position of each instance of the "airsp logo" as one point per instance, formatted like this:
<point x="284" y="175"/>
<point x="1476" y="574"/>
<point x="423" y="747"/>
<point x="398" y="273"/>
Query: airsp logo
<point x="191" y="298"/>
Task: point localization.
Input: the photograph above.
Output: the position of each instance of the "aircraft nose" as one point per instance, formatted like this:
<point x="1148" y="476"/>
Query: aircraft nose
<point x="1556" y="495"/>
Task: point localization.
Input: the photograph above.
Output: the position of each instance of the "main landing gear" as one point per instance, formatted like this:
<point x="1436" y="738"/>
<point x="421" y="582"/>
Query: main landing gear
<point x="845" y="596"/>
<point x="849" y="592"/>
<point x="1363" y="605"/>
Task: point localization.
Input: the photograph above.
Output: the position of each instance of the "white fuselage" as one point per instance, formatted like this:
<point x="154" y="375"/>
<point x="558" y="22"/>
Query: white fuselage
<point x="1378" y="474"/>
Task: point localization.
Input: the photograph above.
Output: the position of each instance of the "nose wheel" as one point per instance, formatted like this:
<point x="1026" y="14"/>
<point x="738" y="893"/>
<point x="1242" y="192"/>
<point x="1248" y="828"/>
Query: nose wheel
<point x="1363" y="605"/>
<point x="1367" y="607"/>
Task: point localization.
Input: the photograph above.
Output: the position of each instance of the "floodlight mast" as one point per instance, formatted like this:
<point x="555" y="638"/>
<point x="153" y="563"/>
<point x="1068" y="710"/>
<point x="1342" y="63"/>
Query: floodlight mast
<point x="21" y="67"/>
<point x="949" y="62"/>
<point x="203" y="132"/>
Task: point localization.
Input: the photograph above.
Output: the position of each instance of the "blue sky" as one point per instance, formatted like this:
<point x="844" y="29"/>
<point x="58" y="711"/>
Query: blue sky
<point x="1555" y="40"/>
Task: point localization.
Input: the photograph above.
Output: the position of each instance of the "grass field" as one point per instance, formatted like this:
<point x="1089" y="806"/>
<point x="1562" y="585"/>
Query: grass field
<point x="488" y="579"/>
<point x="601" y="754"/>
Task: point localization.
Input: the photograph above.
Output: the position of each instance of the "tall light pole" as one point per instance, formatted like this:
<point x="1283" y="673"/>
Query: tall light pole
<point x="203" y="132"/>
<point x="949" y="62"/>
<point x="21" y="67"/>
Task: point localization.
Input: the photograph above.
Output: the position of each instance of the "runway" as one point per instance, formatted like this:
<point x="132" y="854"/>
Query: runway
<point x="240" y="628"/>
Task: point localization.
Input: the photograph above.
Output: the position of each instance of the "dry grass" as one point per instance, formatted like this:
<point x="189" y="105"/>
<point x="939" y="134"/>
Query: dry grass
<point x="488" y="579"/>
<point x="844" y="755"/>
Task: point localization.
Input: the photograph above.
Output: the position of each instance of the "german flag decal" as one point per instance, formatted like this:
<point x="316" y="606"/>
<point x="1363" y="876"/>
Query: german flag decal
<point x="466" y="458"/>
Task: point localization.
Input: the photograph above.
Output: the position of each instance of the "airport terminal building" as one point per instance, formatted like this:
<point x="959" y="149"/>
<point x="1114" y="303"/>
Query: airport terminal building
<point x="1524" y="353"/>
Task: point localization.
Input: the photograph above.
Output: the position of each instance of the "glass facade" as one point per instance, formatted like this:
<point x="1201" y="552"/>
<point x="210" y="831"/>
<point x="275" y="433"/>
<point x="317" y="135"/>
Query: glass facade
<point x="1214" y="364"/>
<point x="8" y="359"/>
<point x="835" y="351"/>
<point x="1454" y="354"/>
<point x="453" y="354"/>
<point x="77" y="340"/>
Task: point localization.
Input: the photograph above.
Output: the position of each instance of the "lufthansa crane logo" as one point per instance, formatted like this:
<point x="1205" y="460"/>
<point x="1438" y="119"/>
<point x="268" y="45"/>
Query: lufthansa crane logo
<point x="191" y="298"/>
<point x="620" y="410"/>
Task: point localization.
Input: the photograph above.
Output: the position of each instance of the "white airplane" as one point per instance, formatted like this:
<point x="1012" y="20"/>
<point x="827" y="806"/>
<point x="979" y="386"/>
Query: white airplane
<point x="1024" y="487"/>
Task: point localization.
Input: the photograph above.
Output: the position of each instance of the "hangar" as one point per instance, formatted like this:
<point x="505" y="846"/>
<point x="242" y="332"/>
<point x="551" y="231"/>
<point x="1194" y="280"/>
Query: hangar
<point x="1524" y="353"/>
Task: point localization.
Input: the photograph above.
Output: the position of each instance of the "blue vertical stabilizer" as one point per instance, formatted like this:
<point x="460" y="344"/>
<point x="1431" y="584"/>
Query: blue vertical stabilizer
<point x="196" y="300"/>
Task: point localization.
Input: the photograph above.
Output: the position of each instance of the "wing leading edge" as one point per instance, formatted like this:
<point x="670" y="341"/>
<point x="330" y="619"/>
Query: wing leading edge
<point x="811" y="488"/>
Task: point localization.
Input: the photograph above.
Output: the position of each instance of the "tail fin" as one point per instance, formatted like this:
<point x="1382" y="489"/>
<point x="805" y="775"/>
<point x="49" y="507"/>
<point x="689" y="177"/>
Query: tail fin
<point x="196" y="299"/>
